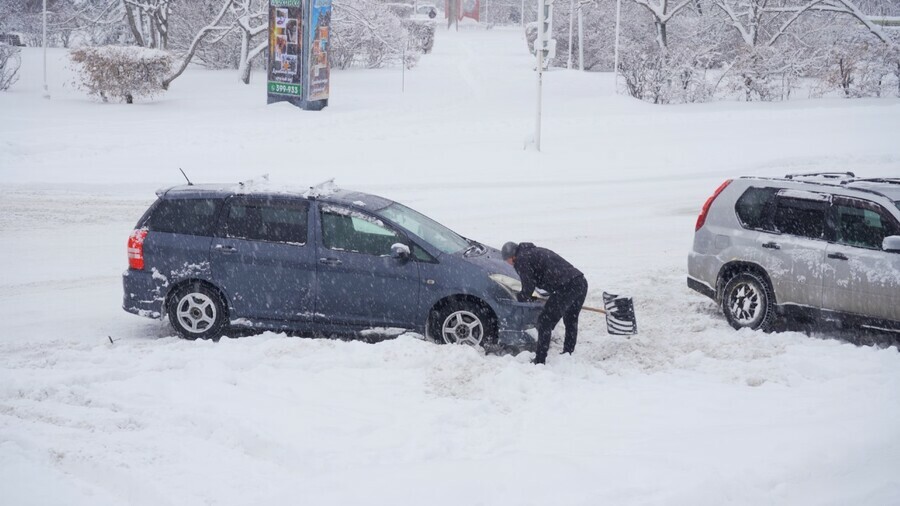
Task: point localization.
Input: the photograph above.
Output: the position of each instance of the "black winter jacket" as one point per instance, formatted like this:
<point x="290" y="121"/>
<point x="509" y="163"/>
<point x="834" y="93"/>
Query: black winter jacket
<point x="542" y="268"/>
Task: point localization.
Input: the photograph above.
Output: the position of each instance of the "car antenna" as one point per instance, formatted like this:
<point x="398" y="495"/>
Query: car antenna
<point x="185" y="176"/>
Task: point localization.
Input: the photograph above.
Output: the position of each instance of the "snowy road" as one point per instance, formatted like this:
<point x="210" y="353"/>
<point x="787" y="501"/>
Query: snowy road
<point x="688" y="412"/>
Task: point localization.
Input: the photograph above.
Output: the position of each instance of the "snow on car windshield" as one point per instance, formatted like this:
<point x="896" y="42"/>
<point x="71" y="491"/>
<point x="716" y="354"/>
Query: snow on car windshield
<point x="429" y="230"/>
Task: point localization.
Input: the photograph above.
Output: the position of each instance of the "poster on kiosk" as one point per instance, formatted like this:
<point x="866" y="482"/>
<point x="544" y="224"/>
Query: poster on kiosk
<point x="298" y="69"/>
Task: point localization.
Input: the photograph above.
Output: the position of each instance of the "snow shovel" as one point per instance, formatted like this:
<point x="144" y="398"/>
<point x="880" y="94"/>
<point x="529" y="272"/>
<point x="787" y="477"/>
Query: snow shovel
<point x="619" y="311"/>
<point x="620" y="319"/>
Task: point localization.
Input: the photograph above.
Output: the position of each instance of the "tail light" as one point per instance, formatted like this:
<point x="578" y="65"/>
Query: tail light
<point x="703" y="212"/>
<point x="136" y="249"/>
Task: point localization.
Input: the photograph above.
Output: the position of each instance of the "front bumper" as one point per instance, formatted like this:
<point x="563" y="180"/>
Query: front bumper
<point x="144" y="293"/>
<point x="516" y="321"/>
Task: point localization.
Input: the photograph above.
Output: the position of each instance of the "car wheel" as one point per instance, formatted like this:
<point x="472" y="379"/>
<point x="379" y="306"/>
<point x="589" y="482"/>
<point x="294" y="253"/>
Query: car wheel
<point x="748" y="302"/>
<point x="461" y="323"/>
<point x="196" y="311"/>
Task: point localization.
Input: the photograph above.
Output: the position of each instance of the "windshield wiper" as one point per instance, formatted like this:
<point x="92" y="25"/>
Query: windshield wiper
<point x="474" y="246"/>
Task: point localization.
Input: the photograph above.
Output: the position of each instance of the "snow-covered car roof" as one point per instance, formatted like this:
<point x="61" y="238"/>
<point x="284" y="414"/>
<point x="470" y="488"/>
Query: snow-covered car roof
<point x="331" y="194"/>
<point x="889" y="189"/>
<point x="886" y="187"/>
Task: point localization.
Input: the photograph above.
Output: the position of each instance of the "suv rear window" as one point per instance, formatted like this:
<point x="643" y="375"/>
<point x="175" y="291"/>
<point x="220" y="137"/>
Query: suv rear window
<point x="753" y="208"/>
<point x="800" y="217"/>
<point x="184" y="216"/>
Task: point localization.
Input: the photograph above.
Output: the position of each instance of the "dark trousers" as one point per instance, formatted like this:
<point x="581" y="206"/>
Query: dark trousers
<point x="565" y="305"/>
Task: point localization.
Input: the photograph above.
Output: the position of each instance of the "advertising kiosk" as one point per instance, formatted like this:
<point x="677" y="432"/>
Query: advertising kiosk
<point x="298" y="67"/>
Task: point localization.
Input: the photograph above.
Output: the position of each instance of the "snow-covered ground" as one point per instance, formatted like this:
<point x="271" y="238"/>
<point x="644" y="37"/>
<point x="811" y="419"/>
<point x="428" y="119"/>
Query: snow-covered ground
<point x="687" y="412"/>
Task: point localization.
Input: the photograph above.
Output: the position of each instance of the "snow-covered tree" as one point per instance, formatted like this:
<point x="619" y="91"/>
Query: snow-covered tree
<point x="662" y="12"/>
<point x="9" y="66"/>
<point x="149" y="21"/>
<point x="367" y="33"/>
<point x="251" y="20"/>
<point x="215" y="26"/>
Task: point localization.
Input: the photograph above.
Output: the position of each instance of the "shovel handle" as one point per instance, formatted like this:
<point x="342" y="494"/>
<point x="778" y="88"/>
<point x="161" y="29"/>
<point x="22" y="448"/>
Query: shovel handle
<point x="583" y="308"/>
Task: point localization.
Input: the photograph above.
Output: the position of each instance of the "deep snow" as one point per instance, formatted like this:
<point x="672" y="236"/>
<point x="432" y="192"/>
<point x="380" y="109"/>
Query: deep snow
<point x="687" y="412"/>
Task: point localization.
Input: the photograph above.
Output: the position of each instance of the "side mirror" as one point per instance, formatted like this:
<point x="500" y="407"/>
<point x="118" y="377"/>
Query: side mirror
<point x="400" y="251"/>
<point x="891" y="244"/>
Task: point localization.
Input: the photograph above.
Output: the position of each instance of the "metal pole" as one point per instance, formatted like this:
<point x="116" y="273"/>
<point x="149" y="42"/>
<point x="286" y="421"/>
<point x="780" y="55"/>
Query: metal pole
<point x="46" y="89"/>
<point x="571" y="22"/>
<point x="580" y="38"/>
<point x="403" y="71"/>
<point x="538" y="44"/>
<point x="616" y="67"/>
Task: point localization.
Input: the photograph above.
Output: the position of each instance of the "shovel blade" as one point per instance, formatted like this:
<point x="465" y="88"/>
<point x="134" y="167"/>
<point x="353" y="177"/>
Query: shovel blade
<point x="620" y="319"/>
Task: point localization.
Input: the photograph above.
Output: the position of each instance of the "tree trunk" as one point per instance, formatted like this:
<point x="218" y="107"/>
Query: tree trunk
<point x="133" y="26"/>
<point x="661" y="37"/>
<point x="151" y="22"/>
<point x="244" y="67"/>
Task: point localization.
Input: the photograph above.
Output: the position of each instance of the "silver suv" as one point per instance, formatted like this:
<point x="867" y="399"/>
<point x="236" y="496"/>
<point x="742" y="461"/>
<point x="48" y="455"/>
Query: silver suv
<point x="823" y="245"/>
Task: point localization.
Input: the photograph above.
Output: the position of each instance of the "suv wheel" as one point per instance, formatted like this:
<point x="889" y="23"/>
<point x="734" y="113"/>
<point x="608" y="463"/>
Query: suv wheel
<point x="196" y="311"/>
<point x="460" y="323"/>
<point x="748" y="302"/>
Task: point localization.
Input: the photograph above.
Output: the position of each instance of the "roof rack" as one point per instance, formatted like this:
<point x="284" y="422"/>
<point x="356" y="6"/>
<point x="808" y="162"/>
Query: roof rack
<point x="322" y="189"/>
<point x="264" y="178"/>
<point x="823" y="175"/>
<point x="889" y="180"/>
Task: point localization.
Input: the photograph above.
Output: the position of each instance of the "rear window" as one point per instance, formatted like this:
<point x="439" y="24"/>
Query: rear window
<point x="184" y="216"/>
<point x="754" y="208"/>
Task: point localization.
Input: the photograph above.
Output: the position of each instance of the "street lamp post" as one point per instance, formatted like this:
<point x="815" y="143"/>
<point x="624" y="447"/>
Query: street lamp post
<point x="616" y="66"/>
<point x="46" y="89"/>
<point x="580" y="38"/>
<point x="571" y="27"/>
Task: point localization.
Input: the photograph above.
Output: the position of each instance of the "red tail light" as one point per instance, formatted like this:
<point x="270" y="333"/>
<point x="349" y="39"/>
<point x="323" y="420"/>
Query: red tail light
<point x="702" y="218"/>
<point x="136" y="249"/>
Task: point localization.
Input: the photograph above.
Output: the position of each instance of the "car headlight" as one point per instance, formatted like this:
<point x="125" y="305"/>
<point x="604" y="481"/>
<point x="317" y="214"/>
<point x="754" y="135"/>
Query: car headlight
<point x="511" y="285"/>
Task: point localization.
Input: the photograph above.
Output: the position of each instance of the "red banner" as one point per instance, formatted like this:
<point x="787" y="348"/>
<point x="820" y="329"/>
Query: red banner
<point x="465" y="8"/>
<point x="469" y="9"/>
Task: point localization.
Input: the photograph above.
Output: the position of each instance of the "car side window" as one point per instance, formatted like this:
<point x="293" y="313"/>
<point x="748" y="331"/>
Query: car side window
<point x="184" y="216"/>
<point x="754" y="208"/>
<point x="271" y="221"/>
<point x="800" y="217"/>
<point x="862" y="224"/>
<point x="346" y="230"/>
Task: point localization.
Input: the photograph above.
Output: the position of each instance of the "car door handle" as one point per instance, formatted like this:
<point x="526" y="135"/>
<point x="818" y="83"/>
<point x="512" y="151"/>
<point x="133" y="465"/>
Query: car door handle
<point x="223" y="248"/>
<point x="330" y="261"/>
<point x="771" y="245"/>
<point x="838" y="256"/>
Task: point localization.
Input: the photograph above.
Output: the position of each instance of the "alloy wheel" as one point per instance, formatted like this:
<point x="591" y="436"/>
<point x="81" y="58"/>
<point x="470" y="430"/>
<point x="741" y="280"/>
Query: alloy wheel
<point x="462" y="327"/>
<point x="196" y="312"/>
<point x="745" y="304"/>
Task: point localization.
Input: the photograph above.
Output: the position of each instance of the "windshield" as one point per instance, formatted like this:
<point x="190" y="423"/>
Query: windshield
<point x="431" y="231"/>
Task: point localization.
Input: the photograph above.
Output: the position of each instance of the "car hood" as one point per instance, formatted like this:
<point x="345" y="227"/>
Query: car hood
<point x="491" y="262"/>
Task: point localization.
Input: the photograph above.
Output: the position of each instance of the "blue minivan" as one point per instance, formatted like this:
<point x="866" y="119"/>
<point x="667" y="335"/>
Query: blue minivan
<point x="214" y="257"/>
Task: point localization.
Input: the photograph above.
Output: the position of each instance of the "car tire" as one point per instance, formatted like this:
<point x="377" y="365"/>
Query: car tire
<point x="196" y="311"/>
<point x="462" y="323"/>
<point x="749" y="302"/>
